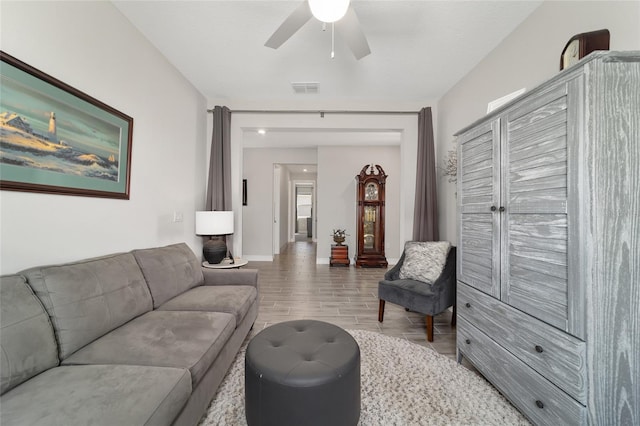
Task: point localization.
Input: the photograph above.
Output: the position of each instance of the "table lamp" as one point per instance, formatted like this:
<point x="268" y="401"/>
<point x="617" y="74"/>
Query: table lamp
<point x="215" y="224"/>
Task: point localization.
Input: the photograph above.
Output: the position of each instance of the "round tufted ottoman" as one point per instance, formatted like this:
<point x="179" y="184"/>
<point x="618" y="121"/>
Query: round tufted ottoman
<point x="302" y="373"/>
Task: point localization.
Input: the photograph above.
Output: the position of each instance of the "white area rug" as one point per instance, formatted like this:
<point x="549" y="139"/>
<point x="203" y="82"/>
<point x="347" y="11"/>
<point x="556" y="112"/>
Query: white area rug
<point x="401" y="384"/>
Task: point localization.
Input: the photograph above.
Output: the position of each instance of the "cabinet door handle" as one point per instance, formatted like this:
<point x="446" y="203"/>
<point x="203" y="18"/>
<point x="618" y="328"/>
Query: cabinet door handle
<point x="493" y="208"/>
<point x="539" y="349"/>
<point x="501" y="209"/>
<point x="539" y="404"/>
<point x="468" y="305"/>
<point x="467" y="341"/>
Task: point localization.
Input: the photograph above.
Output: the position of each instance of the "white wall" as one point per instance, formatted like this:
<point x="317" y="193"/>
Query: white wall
<point x="92" y="47"/>
<point x="337" y="169"/>
<point x="257" y="215"/>
<point x="527" y="57"/>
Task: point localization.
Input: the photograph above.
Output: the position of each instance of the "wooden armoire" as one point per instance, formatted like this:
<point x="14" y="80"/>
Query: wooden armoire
<point x="549" y="245"/>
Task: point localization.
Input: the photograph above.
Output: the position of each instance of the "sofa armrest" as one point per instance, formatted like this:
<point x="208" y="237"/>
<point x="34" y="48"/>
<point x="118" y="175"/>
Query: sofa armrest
<point x="230" y="277"/>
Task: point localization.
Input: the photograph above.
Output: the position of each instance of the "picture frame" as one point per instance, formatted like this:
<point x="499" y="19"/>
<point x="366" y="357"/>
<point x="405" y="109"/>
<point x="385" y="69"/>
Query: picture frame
<point x="56" y="139"/>
<point x="495" y="104"/>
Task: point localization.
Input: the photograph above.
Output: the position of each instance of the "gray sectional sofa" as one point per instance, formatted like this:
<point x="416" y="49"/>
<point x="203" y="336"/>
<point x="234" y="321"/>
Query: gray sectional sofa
<point x="139" y="338"/>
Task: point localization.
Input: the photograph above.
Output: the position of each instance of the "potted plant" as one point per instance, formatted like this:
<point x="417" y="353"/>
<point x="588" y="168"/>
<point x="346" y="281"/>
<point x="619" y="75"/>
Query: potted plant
<point x="339" y="236"/>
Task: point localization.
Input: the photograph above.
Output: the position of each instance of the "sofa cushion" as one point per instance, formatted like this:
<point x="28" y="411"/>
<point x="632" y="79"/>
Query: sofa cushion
<point x="169" y="271"/>
<point x="98" y="395"/>
<point x="424" y="261"/>
<point x="189" y="340"/>
<point x="233" y="299"/>
<point x="27" y="343"/>
<point x="89" y="298"/>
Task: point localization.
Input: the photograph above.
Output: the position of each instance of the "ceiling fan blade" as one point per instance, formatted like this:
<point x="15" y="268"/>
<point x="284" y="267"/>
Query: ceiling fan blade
<point x="350" y="31"/>
<point x="293" y="23"/>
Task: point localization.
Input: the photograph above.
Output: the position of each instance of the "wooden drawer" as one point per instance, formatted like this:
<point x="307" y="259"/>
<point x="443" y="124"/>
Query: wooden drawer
<point x="536" y="397"/>
<point x="558" y="356"/>
<point x="339" y="255"/>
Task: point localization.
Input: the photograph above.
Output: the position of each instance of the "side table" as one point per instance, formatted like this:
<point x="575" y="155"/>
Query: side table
<point x="339" y="255"/>
<point x="226" y="264"/>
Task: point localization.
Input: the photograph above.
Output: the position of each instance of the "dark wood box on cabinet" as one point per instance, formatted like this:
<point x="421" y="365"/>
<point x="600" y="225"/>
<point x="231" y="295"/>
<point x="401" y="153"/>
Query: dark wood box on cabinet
<point x="370" y="217"/>
<point x="339" y="255"/>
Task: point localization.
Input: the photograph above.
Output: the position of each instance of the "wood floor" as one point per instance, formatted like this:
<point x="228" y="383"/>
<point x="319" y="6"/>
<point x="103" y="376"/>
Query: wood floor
<point x="293" y="286"/>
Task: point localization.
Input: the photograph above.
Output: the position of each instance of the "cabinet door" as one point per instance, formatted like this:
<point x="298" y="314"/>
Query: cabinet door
<point x="478" y="203"/>
<point x="534" y="224"/>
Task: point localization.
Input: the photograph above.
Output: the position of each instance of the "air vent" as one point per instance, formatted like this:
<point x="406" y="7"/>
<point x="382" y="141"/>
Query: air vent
<point x="308" y="87"/>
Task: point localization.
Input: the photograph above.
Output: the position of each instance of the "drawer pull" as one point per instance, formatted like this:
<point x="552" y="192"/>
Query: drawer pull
<point x="493" y="208"/>
<point x="539" y="349"/>
<point x="501" y="209"/>
<point x="467" y="341"/>
<point x="468" y="305"/>
<point x="539" y="404"/>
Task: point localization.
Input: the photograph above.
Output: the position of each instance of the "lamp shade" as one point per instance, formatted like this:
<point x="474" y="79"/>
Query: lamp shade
<point x="328" y="10"/>
<point x="214" y="223"/>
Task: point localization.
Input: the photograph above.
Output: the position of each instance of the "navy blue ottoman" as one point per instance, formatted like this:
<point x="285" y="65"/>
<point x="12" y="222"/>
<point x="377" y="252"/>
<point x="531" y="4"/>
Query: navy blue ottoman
<point x="302" y="373"/>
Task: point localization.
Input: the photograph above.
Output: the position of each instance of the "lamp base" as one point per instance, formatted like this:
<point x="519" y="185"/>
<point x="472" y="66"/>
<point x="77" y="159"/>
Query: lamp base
<point x="214" y="250"/>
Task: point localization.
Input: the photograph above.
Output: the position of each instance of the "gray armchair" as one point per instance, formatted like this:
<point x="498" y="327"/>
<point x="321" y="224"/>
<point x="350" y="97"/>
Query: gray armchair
<point x="421" y="297"/>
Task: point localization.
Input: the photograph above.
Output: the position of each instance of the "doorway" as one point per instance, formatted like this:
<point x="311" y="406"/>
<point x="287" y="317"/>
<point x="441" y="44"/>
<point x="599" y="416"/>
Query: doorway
<point x="294" y="204"/>
<point x="304" y="218"/>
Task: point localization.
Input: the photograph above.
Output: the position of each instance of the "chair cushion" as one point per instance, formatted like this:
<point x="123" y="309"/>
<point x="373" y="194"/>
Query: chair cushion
<point x="27" y="343"/>
<point x="169" y="271"/>
<point x="89" y="298"/>
<point x="424" y="261"/>
<point x="98" y="395"/>
<point x="233" y="299"/>
<point x="189" y="340"/>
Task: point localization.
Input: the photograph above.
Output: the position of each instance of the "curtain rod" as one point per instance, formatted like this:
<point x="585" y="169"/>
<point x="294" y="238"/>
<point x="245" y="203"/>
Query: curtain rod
<point x="306" y="111"/>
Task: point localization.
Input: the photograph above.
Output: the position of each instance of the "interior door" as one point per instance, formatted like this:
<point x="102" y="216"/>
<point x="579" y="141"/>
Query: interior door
<point x="478" y="207"/>
<point x="535" y="226"/>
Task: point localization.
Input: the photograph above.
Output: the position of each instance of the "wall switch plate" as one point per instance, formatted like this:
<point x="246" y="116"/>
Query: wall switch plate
<point x="178" y="217"/>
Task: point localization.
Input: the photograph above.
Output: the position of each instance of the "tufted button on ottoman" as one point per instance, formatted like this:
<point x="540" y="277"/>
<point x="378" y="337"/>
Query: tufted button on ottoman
<point x="302" y="373"/>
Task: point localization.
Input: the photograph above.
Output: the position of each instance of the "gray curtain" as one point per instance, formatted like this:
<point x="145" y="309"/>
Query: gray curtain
<point x="219" y="185"/>
<point x="425" y="214"/>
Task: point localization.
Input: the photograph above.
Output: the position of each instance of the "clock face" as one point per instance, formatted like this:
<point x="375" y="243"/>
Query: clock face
<point x="572" y="54"/>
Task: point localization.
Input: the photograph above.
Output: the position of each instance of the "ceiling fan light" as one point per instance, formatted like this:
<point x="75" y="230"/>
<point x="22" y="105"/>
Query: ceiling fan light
<point x="328" y="10"/>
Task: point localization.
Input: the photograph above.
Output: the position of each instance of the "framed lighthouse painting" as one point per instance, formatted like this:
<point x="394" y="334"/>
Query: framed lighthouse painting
<point x="57" y="139"/>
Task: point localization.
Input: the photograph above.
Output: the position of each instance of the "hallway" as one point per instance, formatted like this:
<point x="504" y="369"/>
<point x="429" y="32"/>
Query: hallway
<point x="293" y="287"/>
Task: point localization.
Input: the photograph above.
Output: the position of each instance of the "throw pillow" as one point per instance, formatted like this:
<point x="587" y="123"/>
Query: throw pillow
<point x="424" y="261"/>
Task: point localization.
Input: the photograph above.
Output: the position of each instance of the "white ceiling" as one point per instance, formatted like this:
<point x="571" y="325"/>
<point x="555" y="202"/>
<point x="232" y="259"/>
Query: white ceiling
<point x="420" y="49"/>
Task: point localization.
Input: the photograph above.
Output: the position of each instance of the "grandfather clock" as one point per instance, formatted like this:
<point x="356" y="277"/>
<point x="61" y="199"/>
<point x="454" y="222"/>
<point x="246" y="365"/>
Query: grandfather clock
<point x="370" y="217"/>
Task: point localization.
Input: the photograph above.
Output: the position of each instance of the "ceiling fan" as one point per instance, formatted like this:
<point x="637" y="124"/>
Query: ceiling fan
<point x="339" y="13"/>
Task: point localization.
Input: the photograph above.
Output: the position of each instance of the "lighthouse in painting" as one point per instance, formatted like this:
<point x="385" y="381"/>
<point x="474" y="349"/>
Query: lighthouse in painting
<point x="53" y="137"/>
